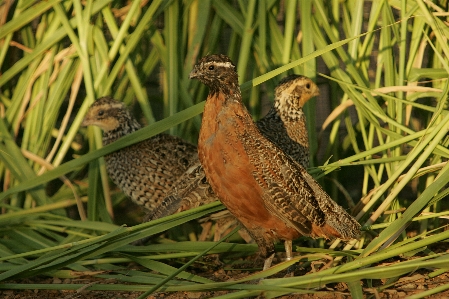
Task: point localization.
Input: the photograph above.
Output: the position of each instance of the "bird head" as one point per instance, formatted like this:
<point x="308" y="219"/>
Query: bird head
<point x="293" y="92"/>
<point x="216" y="71"/>
<point x="106" y="113"/>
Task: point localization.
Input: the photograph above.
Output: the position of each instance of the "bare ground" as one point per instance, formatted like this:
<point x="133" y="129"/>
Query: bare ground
<point x="415" y="283"/>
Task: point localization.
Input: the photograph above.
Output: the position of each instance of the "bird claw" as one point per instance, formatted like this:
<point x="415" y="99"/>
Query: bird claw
<point x="315" y="265"/>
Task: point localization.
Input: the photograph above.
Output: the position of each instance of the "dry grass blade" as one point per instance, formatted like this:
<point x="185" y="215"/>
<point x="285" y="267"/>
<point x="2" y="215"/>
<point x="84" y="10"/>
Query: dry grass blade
<point x="382" y="71"/>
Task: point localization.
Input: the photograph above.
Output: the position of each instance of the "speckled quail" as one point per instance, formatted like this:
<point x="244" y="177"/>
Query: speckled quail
<point x="284" y="124"/>
<point x="272" y="195"/>
<point x="146" y="170"/>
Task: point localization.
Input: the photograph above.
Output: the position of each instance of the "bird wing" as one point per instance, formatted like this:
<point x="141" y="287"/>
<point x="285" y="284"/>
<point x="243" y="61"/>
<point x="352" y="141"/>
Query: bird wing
<point x="292" y="195"/>
<point x="290" y="198"/>
<point x="193" y="186"/>
<point x="167" y="207"/>
<point x="336" y="216"/>
<point x="304" y="198"/>
<point x="280" y="205"/>
<point x="285" y="194"/>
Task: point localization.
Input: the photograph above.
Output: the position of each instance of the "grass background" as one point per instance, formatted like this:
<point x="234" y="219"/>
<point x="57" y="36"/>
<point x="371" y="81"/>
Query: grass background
<point x="382" y="67"/>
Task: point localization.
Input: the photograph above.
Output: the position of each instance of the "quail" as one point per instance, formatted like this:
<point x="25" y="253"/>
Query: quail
<point x="271" y="194"/>
<point x="284" y="125"/>
<point x="145" y="171"/>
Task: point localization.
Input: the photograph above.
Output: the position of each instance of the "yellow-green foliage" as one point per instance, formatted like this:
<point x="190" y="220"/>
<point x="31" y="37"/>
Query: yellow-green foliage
<point x="387" y="65"/>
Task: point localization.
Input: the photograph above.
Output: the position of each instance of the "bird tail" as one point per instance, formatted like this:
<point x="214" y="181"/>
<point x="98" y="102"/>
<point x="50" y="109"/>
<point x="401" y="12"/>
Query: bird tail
<point x="340" y="221"/>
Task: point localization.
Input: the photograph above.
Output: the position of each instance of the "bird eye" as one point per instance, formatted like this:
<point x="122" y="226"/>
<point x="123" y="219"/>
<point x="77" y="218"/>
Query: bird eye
<point x="211" y="67"/>
<point x="308" y="85"/>
<point x="100" y="112"/>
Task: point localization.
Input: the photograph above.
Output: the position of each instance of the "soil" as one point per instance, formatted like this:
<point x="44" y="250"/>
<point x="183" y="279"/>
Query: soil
<point x="404" y="287"/>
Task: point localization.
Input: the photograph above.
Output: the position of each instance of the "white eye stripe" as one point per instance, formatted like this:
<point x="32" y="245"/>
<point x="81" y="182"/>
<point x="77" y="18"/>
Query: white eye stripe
<point x="116" y="105"/>
<point x="223" y="64"/>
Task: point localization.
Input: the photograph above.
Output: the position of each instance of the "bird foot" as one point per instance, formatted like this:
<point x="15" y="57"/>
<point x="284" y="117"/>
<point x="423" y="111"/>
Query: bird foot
<point x="291" y="271"/>
<point x="316" y="265"/>
<point x="268" y="261"/>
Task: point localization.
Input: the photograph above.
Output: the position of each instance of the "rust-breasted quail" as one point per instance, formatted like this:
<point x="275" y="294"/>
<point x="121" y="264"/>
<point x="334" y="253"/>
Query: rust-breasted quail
<point x="146" y="170"/>
<point x="272" y="195"/>
<point x="284" y="125"/>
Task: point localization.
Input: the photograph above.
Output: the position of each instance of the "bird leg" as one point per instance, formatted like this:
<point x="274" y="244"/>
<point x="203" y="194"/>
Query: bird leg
<point x="268" y="262"/>
<point x="288" y="244"/>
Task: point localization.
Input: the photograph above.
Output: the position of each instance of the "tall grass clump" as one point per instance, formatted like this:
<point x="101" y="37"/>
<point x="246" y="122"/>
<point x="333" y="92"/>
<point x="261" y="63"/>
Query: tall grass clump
<point x="381" y="151"/>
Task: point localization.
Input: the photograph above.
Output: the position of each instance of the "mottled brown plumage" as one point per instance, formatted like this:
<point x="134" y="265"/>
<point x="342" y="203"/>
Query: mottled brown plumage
<point x="146" y="170"/>
<point x="265" y="189"/>
<point x="284" y="124"/>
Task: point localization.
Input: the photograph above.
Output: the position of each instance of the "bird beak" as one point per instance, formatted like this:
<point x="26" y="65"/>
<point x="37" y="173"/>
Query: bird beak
<point x="193" y="74"/>
<point x="85" y="122"/>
